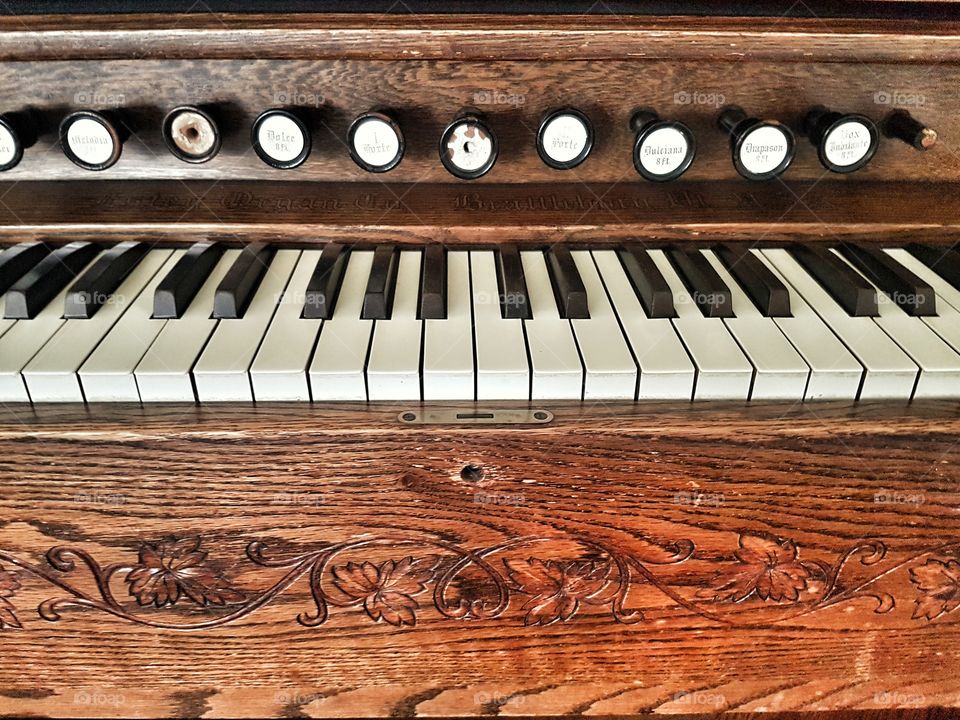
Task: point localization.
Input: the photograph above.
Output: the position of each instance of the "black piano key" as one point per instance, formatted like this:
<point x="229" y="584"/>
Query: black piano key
<point x="765" y="289"/>
<point x="238" y="286"/>
<point x="177" y="290"/>
<point x="567" y="284"/>
<point x="651" y="288"/>
<point x="908" y="291"/>
<point x="101" y="280"/>
<point x="852" y="292"/>
<point x="16" y="261"/>
<point x="433" y="283"/>
<point x="378" y="298"/>
<point x="324" y="285"/>
<point x="943" y="261"/>
<point x="31" y="293"/>
<point x="710" y="293"/>
<point x="514" y="301"/>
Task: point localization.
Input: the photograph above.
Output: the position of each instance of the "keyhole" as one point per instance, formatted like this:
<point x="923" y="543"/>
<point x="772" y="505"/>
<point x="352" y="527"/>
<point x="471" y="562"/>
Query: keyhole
<point x="472" y="472"/>
<point x="468" y="147"/>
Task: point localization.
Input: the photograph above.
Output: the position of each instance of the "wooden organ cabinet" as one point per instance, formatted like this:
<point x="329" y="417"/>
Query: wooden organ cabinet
<point x="370" y="365"/>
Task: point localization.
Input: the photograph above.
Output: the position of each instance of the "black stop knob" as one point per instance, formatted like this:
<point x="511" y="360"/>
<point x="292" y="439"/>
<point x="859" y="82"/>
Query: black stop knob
<point x="93" y="139"/>
<point x="18" y="130"/>
<point x="762" y="149"/>
<point x="845" y="142"/>
<point x="662" y="149"/>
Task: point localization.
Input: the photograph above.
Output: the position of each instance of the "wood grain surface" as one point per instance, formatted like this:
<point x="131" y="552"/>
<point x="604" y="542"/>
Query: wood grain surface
<point x="172" y="212"/>
<point x="329" y="561"/>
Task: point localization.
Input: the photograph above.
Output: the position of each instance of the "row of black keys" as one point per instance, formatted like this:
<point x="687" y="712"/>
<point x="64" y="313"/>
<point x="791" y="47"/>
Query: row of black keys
<point x="31" y="274"/>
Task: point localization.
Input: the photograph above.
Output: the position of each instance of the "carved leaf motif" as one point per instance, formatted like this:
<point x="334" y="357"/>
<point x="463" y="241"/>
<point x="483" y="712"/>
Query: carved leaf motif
<point x="171" y="568"/>
<point x="556" y="589"/>
<point x="387" y="590"/>
<point x="939" y="586"/>
<point x="9" y="584"/>
<point x="767" y="567"/>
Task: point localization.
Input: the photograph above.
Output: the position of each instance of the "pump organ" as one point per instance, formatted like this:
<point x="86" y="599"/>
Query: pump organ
<point x="585" y="263"/>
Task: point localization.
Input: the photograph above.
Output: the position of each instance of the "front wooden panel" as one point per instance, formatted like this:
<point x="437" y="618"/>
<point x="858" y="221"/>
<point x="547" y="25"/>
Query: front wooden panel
<point x="329" y="562"/>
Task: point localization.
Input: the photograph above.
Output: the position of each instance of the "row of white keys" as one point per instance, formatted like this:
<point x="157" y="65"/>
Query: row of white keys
<point x="23" y="340"/>
<point x="503" y="371"/>
<point x="610" y="372"/>
<point x="448" y="344"/>
<point x="723" y="372"/>
<point x="946" y="323"/>
<point x="393" y="369"/>
<point x="835" y="374"/>
<point x="163" y="375"/>
<point x="889" y="372"/>
<point x="555" y="368"/>
<point x="52" y="375"/>
<point x="666" y="371"/>
<point x="337" y="368"/>
<point x="939" y="363"/>
<point x="781" y="374"/>
<point x="222" y="371"/>
<point x="107" y="375"/>
<point x="279" y="372"/>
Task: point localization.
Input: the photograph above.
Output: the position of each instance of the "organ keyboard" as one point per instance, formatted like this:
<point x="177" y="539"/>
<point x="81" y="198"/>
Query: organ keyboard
<point x="391" y="365"/>
<point x="632" y="323"/>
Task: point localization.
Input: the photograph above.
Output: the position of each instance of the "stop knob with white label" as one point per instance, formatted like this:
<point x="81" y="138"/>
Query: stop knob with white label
<point x="662" y="149"/>
<point x="281" y="138"/>
<point x="565" y="138"/>
<point x="468" y="147"/>
<point x="375" y="142"/>
<point x="762" y="149"/>
<point x="18" y="131"/>
<point x="845" y="142"/>
<point x="92" y="139"/>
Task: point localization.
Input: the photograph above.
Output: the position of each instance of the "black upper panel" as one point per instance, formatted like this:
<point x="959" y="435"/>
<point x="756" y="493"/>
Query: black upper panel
<point x="770" y="8"/>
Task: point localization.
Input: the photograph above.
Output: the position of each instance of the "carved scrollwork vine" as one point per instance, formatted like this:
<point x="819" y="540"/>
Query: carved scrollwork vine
<point x="420" y="574"/>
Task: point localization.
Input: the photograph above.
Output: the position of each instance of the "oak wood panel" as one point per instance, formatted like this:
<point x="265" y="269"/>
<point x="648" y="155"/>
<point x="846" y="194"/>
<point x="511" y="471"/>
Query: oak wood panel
<point x="536" y="214"/>
<point x="426" y="95"/>
<point x="475" y="37"/>
<point x="685" y="495"/>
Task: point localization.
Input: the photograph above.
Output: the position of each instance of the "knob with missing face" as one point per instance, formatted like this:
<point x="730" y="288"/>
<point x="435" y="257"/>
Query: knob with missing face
<point x="191" y="134"/>
<point x="468" y="147"/>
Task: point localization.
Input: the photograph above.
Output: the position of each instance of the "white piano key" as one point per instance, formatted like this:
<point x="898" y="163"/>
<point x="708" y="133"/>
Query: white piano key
<point x="448" y="344"/>
<point x="835" y="374"/>
<point x="723" y="372"/>
<point x="279" y="371"/>
<point x="555" y="368"/>
<point x="336" y="371"/>
<point x="393" y="369"/>
<point x="610" y="372"/>
<point x="52" y="375"/>
<point x="666" y="371"/>
<point x="503" y="372"/>
<point x="889" y="372"/>
<point x="222" y="371"/>
<point x="938" y="362"/>
<point x="5" y="323"/>
<point x="23" y="340"/>
<point x="107" y="375"/>
<point x="163" y="375"/>
<point x="781" y="374"/>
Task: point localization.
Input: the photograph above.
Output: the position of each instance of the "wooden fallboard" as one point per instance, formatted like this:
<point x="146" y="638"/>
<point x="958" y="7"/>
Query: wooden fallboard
<point x="330" y="561"/>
